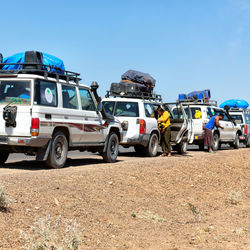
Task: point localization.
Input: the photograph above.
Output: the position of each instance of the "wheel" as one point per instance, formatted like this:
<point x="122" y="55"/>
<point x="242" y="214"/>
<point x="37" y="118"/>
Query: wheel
<point x="58" y="151"/>
<point x="182" y="148"/>
<point x="236" y="143"/>
<point x="151" y="149"/>
<point x="215" y="142"/>
<point x="3" y="157"/>
<point x="111" y="152"/>
<point x="201" y="147"/>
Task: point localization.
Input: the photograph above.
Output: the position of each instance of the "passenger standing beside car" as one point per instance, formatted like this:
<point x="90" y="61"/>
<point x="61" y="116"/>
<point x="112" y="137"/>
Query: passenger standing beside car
<point x="213" y="122"/>
<point x="164" y="127"/>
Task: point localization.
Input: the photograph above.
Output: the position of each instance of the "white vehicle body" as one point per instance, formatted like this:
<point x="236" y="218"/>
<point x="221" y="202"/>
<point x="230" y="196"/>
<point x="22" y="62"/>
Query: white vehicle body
<point x="138" y="119"/>
<point x="242" y="118"/>
<point x="51" y="106"/>
<point x="201" y="114"/>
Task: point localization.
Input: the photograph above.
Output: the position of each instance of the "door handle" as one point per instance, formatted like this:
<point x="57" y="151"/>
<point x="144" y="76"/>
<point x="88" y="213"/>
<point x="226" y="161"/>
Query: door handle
<point x="66" y="117"/>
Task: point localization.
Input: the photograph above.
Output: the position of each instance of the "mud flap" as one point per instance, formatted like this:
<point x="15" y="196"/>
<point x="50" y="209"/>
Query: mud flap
<point x="43" y="153"/>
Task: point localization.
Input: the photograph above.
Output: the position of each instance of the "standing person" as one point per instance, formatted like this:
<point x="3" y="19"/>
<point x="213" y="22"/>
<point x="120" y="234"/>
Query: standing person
<point x="213" y="122"/>
<point x="164" y="127"/>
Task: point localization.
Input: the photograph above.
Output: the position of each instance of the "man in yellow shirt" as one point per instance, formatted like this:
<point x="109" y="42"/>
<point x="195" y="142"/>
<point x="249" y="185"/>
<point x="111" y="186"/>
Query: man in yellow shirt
<point x="164" y="127"/>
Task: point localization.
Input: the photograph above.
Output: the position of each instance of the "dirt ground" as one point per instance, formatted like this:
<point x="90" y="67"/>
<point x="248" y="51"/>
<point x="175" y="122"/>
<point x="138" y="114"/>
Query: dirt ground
<point x="196" y="201"/>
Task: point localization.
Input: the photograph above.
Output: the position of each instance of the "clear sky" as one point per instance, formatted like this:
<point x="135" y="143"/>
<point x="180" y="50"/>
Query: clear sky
<point x="185" y="45"/>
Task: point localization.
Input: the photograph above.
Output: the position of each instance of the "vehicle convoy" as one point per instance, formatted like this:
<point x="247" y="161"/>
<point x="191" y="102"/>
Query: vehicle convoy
<point x="204" y="109"/>
<point x="46" y="112"/>
<point x="134" y="104"/>
<point x="238" y="110"/>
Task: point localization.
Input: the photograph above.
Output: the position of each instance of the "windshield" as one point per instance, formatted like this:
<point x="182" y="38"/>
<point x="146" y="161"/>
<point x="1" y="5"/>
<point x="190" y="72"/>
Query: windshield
<point x="129" y="109"/>
<point x="17" y="92"/>
<point x="237" y="118"/>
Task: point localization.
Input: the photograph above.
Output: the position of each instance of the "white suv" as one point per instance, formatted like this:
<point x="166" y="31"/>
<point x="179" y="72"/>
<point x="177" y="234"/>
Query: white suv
<point x="201" y="113"/>
<point x="138" y="119"/>
<point x="46" y="114"/>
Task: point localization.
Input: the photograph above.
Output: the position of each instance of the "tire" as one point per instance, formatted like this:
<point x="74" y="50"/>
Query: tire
<point x="215" y="142"/>
<point x="182" y="148"/>
<point x="201" y="147"/>
<point x="236" y="143"/>
<point x="3" y="157"/>
<point x="112" y="149"/>
<point x="58" y="151"/>
<point x="151" y="149"/>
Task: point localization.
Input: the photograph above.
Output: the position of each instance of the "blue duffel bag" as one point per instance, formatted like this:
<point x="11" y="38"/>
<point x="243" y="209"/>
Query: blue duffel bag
<point x="204" y="94"/>
<point x="34" y="57"/>
<point x="235" y="103"/>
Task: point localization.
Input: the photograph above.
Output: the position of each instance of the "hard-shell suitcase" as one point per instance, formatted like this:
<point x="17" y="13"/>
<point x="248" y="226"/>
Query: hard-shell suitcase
<point x="125" y="87"/>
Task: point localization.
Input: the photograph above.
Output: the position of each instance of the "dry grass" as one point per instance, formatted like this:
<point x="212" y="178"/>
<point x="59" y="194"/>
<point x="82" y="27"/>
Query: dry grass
<point x="47" y="234"/>
<point x="4" y="199"/>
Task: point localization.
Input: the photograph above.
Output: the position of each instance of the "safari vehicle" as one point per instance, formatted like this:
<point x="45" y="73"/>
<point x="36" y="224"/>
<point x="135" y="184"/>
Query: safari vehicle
<point x="46" y="114"/>
<point x="242" y="118"/>
<point x="138" y="117"/>
<point x="201" y="112"/>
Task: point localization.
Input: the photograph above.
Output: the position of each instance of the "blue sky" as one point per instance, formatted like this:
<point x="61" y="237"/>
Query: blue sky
<point x="185" y="45"/>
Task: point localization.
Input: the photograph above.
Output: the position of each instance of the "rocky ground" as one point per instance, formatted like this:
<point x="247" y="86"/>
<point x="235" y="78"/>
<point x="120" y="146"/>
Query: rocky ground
<point x="196" y="201"/>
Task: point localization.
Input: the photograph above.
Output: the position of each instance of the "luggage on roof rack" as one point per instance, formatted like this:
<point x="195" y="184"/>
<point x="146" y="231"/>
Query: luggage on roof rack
<point x="125" y="87"/>
<point x="34" y="60"/>
<point x="235" y="103"/>
<point x="139" y="95"/>
<point x="139" y="77"/>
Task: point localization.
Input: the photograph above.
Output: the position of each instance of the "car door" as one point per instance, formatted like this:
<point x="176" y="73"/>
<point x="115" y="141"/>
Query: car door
<point x="93" y="131"/>
<point x="178" y="120"/>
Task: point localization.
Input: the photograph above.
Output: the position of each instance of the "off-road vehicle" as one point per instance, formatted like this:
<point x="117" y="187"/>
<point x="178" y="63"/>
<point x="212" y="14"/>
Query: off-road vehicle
<point x="46" y="114"/>
<point x="138" y="117"/>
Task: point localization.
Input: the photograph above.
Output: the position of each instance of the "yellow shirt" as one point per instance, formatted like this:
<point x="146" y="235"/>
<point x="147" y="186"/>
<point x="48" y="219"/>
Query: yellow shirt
<point x="164" y="120"/>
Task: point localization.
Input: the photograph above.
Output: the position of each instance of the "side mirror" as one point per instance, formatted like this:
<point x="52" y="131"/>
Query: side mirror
<point x="99" y="106"/>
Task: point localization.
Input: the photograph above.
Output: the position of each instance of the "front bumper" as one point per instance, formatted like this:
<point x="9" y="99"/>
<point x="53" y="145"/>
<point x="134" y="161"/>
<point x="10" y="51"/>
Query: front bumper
<point x="36" y="141"/>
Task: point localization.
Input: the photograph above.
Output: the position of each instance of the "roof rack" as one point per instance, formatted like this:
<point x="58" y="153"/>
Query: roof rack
<point x="199" y="101"/>
<point x="141" y="95"/>
<point x="240" y="109"/>
<point x="41" y="69"/>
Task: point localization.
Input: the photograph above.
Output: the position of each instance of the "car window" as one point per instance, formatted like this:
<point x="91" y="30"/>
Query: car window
<point x="108" y="107"/>
<point x="69" y="97"/>
<point x="196" y="113"/>
<point x="86" y="100"/>
<point x="237" y="118"/>
<point x="45" y="93"/>
<point x="217" y="111"/>
<point x="175" y="112"/>
<point x="17" y="92"/>
<point x="226" y="118"/>
<point x="129" y="109"/>
<point x="247" y="117"/>
<point x="210" y="112"/>
<point x="149" y="110"/>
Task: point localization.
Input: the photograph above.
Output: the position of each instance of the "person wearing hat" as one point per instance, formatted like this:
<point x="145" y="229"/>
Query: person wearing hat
<point x="213" y="122"/>
<point x="164" y="127"/>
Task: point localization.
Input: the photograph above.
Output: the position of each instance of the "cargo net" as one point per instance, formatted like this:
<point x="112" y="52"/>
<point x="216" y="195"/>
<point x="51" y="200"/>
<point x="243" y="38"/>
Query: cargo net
<point x="39" y="69"/>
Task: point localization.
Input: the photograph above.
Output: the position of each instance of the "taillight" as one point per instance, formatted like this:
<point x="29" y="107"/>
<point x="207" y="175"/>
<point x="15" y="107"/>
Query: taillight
<point x="34" y="127"/>
<point x="245" y="129"/>
<point x="142" y="126"/>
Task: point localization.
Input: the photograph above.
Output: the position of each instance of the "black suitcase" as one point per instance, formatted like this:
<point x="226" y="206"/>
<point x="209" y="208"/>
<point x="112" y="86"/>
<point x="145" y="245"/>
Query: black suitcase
<point x="125" y="87"/>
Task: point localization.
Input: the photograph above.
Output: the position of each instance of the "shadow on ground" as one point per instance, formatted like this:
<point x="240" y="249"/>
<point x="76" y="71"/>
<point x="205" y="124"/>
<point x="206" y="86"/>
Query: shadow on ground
<point x="36" y="165"/>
